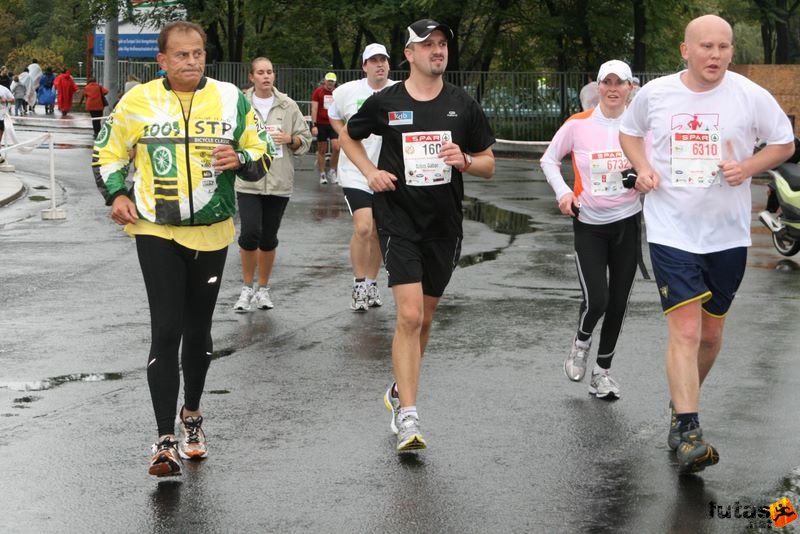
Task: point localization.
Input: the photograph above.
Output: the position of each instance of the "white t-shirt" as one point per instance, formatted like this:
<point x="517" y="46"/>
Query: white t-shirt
<point x="263" y="105"/>
<point x="702" y="219"/>
<point x="347" y="99"/>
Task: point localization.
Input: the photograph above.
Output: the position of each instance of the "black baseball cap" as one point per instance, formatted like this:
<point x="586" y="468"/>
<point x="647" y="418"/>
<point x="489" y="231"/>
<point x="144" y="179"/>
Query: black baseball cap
<point x="422" y="29"/>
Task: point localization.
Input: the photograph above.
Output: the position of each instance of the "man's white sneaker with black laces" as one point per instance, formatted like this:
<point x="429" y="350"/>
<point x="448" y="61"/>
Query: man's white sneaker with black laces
<point x="192" y="445"/>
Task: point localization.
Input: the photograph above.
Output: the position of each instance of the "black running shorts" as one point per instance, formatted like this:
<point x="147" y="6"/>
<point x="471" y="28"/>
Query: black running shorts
<point x="325" y="132"/>
<point x="430" y="261"/>
<point x="356" y="199"/>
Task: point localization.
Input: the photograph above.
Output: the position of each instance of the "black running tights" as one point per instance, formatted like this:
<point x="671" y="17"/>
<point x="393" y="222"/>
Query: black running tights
<point x="182" y="287"/>
<point x="605" y="255"/>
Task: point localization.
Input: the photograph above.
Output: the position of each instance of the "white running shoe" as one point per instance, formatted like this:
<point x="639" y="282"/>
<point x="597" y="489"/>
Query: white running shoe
<point x="409" y="437"/>
<point x="603" y="386"/>
<point x="193" y="445"/>
<point x="322" y="178"/>
<point x="373" y="296"/>
<point x="245" y="299"/>
<point x="332" y="178"/>
<point x="575" y="364"/>
<point x="263" y="302"/>
<point x="358" y="302"/>
<point x="392" y="404"/>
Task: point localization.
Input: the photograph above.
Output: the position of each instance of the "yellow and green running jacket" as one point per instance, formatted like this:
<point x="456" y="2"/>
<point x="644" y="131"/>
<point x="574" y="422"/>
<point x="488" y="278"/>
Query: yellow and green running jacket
<point x="174" y="182"/>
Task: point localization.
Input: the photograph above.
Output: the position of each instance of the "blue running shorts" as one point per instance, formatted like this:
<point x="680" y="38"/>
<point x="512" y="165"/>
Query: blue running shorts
<point x="683" y="277"/>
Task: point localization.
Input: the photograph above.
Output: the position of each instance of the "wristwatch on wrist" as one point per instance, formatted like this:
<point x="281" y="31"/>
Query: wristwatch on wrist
<point x="467" y="162"/>
<point x="242" y="159"/>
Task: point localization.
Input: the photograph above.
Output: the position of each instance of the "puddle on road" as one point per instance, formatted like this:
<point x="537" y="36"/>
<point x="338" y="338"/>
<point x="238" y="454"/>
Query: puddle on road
<point x="37" y="198"/>
<point x="499" y="220"/>
<point x="50" y="383"/>
<point x="480" y="257"/>
<point x="26" y="399"/>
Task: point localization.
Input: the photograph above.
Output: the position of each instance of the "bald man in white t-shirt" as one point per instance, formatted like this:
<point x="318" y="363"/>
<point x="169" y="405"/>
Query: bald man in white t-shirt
<point x="704" y="122"/>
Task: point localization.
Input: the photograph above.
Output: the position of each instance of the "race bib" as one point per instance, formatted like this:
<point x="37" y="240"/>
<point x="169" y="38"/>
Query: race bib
<point x="695" y="158"/>
<point x="209" y="182"/>
<point x="421" y="160"/>
<point x="605" y="167"/>
<point x="327" y="100"/>
<point x="273" y="129"/>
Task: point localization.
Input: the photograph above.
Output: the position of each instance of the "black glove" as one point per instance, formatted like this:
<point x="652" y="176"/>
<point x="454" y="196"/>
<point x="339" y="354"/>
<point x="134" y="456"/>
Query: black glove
<point x="629" y="177"/>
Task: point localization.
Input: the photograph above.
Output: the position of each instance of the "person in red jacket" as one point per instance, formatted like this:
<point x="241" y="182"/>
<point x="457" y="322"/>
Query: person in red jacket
<point x="93" y="95"/>
<point x="65" y="85"/>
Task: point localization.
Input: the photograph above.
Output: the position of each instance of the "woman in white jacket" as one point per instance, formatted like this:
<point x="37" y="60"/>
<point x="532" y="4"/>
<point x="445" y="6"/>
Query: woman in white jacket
<point x="262" y="203"/>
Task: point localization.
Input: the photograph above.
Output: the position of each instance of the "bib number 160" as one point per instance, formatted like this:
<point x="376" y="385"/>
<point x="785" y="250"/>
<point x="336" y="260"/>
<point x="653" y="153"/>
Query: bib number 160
<point x="431" y="149"/>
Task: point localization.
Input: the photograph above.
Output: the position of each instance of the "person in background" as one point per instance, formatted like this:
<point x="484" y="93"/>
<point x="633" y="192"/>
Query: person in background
<point x="46" y="94"/>
<point x="635" y="89"/>
<point x="321" y="100"/>
<point x="132" y="82"/>
<point x="93" y="95"/>
<point x="262" y="203"/>
<point x="18" y="90"/>
<point x="589" y="96"/>
<point x="6" y="98"/>
<point x="66" y="88"/>
<point x="365" y="250"/>
<point x="25" y="79"/>
<point x="5" y="77"/>
<point x="36" y="74"/>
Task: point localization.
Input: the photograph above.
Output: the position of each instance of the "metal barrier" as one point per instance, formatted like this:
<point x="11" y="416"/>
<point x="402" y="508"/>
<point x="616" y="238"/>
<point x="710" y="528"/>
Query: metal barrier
<point x="520" y="106"/>
<point x="52" y="213"/>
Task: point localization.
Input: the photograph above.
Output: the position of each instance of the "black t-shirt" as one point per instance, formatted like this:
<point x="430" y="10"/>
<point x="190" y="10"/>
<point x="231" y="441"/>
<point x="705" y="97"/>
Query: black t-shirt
<point x="417" y="212"/>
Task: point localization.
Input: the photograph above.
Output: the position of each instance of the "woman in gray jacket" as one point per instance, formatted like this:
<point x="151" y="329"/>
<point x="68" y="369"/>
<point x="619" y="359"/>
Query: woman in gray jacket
<point x="262" y="203"/>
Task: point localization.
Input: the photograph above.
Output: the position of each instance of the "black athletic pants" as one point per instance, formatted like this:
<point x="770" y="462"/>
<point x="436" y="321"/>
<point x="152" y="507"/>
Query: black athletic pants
<point x="182" y="287"/>
<point x="606" y="258"/>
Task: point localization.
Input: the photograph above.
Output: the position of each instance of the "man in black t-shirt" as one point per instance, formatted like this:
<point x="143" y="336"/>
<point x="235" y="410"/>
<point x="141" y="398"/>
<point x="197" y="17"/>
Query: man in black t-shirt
<point x="432" y="133"/>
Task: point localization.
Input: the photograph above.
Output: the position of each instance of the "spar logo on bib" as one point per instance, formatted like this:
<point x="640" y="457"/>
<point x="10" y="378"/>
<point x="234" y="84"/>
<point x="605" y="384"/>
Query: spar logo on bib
<point x="424" y="138"/>
<point x="397" y="118"/>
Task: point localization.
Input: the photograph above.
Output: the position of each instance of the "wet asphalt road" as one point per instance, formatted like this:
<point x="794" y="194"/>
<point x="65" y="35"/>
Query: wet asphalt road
<point x="299" y="438"/>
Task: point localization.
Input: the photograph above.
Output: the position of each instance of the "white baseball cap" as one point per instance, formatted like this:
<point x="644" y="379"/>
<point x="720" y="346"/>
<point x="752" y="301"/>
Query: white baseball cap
<point x="373" y="49"/>
<point x="615" y="66"/>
